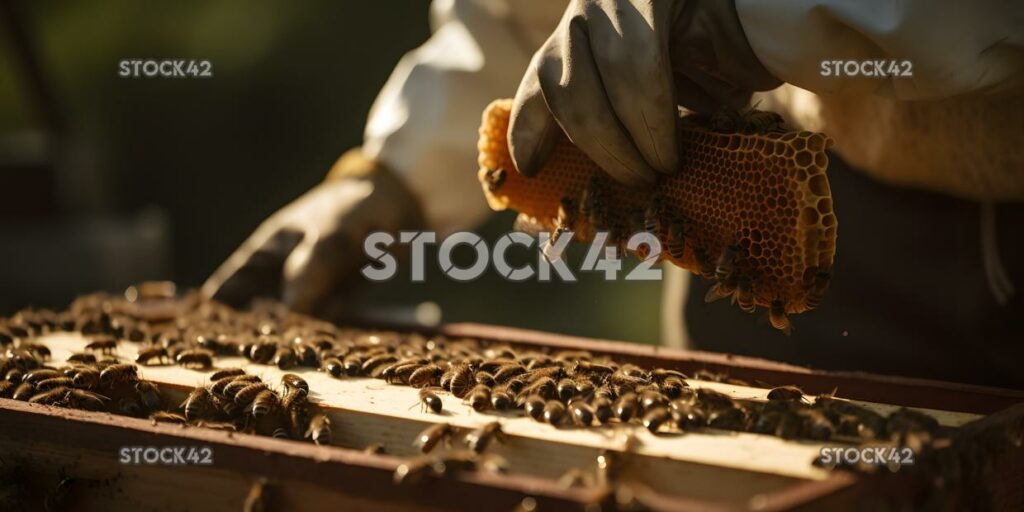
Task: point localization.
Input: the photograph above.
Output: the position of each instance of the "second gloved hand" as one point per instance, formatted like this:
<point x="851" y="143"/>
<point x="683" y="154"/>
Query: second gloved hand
<point x="613" y="72"/>
<point x="306" y="250"/>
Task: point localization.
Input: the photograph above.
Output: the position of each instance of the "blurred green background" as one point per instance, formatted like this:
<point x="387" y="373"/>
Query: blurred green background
<point x="111" y="180"/>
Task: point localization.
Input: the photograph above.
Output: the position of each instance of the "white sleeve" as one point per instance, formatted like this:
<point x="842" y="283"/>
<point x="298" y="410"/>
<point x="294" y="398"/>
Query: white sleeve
<point x="423" y="124"/>
<point x="954" y="46"/>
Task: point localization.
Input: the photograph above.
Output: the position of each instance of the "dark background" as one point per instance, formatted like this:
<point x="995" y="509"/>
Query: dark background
<point x="107" y="180"/>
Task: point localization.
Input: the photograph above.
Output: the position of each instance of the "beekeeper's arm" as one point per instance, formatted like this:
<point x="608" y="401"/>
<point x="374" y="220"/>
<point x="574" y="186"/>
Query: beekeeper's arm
<point x="416" y="168"/>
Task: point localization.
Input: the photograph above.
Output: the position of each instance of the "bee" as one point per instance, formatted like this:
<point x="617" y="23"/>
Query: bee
<point x="7" y="388"/>
<point x="306" y="355"/>
<point x="904" y="422"/>
<point x="673" y="386"/>
<point x="705" y="267"/>
<point x="786" y="393"/>
<point x="352" y="365"/>
<point x="129" y="406"/>
<point x="430" y="400"/>
<point x="651" y="397"/>
<point x="264" y="402"/>
<point x="478" y="440"/>
<point x="554" y="411"/>
<point x="119" y="373"/>
<point x="432" y="435"/>
<point x="744" y="295"/>
<point x="157" y="353"/>
<point x="564" y="222"/>
<point x="293" y="397"/>
<point x="592" y="202"/>
<point x="725" y="120"/>
<point x="220" y="386"/>
<point x="167" y="417"/>
<point x="217" y="425"/>
<point x="816" y="426"/>
<point x="687" y="415"/>
<point x="413" y="471"/>
<point x="458" y="378"/>
<point x="663" y="374"/>
<point x="14" y="376"/>
<point x="495" y="178"/>
<point x="484" y="377"/>
<point x="728" y="418"/>
<point x="507" y="372"/>
<point x="149" y="393"/>
<point x="24" y="391"/>
<point x="247" y="394"/>
<point x="226" y="372"/>
<point x="262" y="351"/>
<point x="290" y="380"/>
<point x="676" y="239"/>
<point x="566" y="389"/>
<point x="285" y="357"/>
<point x="726" y="262"/>
<point x="652" y="216"/>
<point x="195" y="358"/>
<point x="333" y="366"/>
<point x="602" y="409"/>
<point x="721" y="289"/>
<point x="544" y="387"/>
<point x="83" y="358"/>
<point x="376" y="361"/>
<point x="501" y="398"/>
<point x="554" y="372"/>
<point x="51" y="397"/>
<point x="534" y="406"/>
<point x="655" y="417"/>
<point x="581" y="412"/>
<point x="760" y="121"/>
<point x="626" y="381"/>
<point x="626" y="406"/>
<point x="39" y="375"/>
<point x="198" y="403"/>
<point x="319" y="429"/>
<point x="479" y="397"/>
<point x="818" y="287"/>
<point x="713" y="399"/>
<point x="424" y="376"/>
<point x="778" y="318"/>
<point x="102" y="345"/>
<point x="83" y="399"/>
<point x="257" y="499"/>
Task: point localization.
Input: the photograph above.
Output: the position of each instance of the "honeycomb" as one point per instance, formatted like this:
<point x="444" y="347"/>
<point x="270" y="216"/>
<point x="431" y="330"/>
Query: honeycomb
<point x="763" y="192"/>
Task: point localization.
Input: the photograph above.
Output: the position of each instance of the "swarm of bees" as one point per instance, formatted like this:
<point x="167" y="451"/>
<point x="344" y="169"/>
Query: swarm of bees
<point x="563" y="388"/>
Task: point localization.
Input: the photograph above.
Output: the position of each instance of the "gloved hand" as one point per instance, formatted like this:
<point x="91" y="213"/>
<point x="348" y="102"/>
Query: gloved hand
<point x="613" y="72"/>
<point x="307" y="249"/>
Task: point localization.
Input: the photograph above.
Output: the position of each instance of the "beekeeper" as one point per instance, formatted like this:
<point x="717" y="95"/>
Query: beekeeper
<point x="923" y="98"/>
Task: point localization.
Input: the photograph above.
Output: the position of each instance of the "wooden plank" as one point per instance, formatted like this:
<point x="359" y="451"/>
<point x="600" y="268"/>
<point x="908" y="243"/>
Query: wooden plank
<point x="906" y="391"/>
<point x="711" y="465"/>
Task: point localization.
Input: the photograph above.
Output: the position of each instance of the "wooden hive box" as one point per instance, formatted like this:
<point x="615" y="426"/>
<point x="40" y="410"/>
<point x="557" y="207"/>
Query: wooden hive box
<point x="71" y="459"/>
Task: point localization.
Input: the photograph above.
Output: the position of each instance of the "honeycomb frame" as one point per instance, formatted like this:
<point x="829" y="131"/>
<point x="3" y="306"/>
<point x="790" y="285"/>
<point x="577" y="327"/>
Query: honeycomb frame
<point x="766" y="193"/>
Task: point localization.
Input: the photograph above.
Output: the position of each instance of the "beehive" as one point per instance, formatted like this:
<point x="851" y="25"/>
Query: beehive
<point x="765" y="193"/>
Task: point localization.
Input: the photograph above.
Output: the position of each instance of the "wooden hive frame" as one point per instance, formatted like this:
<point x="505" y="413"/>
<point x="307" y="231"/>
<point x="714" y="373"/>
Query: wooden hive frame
<point x="702" y="470"/>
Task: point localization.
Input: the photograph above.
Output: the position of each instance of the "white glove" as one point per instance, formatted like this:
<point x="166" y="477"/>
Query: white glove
<point x="613" y="72"/>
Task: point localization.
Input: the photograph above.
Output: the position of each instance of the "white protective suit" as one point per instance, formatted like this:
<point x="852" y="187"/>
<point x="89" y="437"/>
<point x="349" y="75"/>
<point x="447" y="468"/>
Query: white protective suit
<point x="424" y="123"/>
